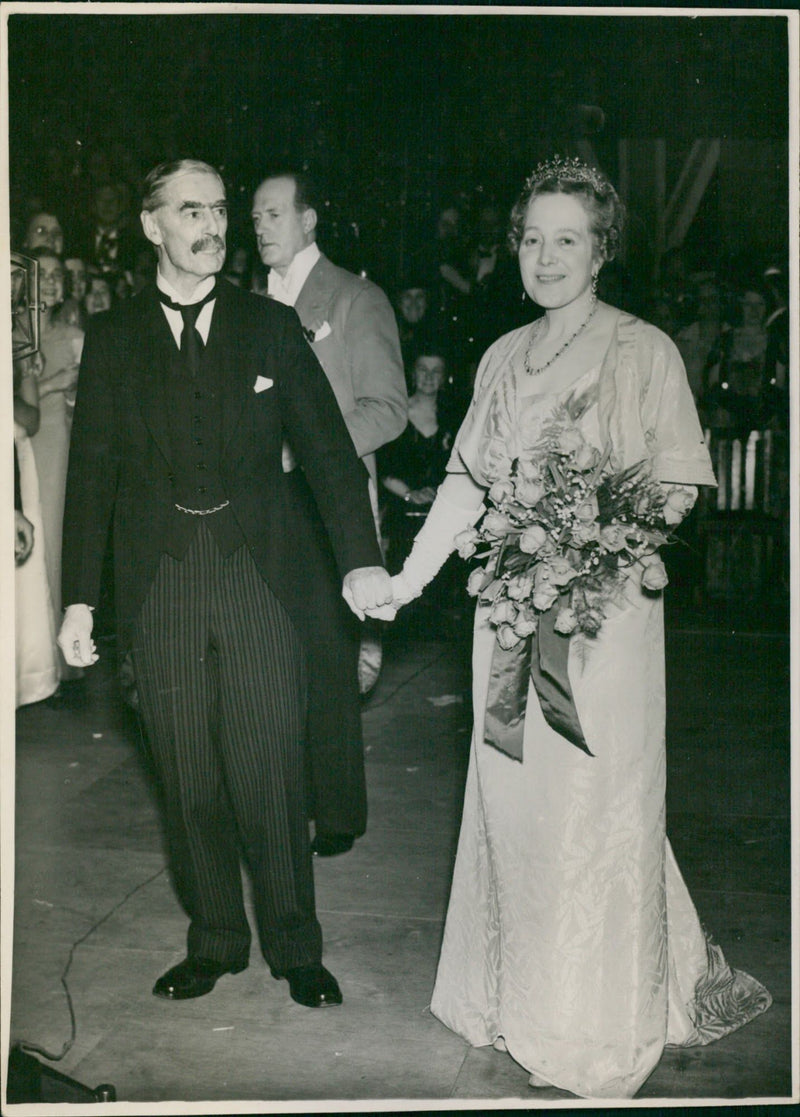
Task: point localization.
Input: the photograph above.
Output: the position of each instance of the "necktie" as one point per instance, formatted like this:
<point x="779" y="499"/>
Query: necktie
<point x="192" y="345"/>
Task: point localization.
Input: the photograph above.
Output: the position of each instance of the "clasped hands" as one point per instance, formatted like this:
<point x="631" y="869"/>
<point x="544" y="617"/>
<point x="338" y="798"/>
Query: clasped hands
<point x="371" y="592"/>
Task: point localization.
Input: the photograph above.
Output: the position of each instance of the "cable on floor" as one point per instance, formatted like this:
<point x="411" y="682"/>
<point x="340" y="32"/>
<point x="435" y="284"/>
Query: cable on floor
<point x="34" y="1049"/>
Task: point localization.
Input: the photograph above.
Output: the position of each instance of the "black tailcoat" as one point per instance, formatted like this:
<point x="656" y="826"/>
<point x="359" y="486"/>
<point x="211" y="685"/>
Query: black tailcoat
<point x="120" y="468"/>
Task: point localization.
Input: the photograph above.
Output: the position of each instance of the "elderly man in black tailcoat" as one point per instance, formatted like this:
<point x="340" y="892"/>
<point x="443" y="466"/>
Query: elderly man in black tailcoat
<point x="186" y="394"/>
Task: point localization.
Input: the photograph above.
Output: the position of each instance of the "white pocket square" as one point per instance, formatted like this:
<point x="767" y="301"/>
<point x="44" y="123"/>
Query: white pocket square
<point x="318" y="332"/>
<point x="262" y="383"/>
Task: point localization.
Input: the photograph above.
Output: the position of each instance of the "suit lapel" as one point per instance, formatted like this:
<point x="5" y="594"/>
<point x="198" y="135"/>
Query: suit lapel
<point x="227" y="347"/>
<point x="152" y="351"/>
<point x="312" y="302"/>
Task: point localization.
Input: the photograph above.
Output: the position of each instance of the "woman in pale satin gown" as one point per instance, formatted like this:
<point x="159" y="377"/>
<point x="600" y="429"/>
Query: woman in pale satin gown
<point x="61" y="345"/>
<point x="571" y="940"/>
<point x="36" y="649"/>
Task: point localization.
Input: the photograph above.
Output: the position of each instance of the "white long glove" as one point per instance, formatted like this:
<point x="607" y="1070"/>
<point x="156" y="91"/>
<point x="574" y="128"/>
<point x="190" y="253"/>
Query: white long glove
<point x="435" y="542"/>
<point x="75" y="636"/>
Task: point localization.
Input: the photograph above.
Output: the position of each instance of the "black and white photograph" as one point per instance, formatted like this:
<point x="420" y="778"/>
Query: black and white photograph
<point x="396" y="691"/>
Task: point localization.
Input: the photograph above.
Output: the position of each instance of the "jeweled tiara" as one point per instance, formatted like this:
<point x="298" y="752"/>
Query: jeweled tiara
<point x="575" y="170"/>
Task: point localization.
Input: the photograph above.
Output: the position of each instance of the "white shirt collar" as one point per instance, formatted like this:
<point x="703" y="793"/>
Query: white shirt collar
<point x="286" y="289"/>
<point x="201" y="292"/>
<point x="174" y="318"/>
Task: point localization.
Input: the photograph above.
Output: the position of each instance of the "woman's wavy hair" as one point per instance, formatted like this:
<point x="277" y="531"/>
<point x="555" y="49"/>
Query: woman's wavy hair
<point x="600" y="200"/>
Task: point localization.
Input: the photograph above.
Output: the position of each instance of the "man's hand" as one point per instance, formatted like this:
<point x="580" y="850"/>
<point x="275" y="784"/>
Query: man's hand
<point x="75" y="637"/>
<point x="368" y="592"/>
<point x="23" y="537"/>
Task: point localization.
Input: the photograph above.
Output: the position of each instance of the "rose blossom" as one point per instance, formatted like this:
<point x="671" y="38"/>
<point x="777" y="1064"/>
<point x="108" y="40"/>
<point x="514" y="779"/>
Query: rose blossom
<point x="503" y="612"/>
<point x="465" y="542"/>
<point x="654" y="576"/>
<point x="507" y="637"/>
<point x="519" y="587"/>
<point x="495" y="523"/>
<point x="544" y="596"/>
<point x="475" y="581"/>
<point x="591" y="621"/>
<point x="612" y="537"/>
<point x="585" y="533"/>
<point x="525" y="624"/>
<point x="532" y="539"/>
<point x="529" y="492"/>
<point x="678" y="504"/>
<point x="561" y="570"/>
<point x="500" y="491"/>
<point x="588" y="510"/>
<point x="566" y="621"/>
<point x="529" y="469"/>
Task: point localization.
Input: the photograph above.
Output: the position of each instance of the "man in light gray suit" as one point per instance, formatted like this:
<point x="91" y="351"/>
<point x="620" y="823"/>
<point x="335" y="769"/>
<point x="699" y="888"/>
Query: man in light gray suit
<point x="351" y="327"/>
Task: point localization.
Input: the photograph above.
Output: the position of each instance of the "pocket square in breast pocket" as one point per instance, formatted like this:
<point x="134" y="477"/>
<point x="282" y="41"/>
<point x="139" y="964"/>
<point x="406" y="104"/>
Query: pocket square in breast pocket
<point x="318" y="331"/>
<point x="262" y="383"/>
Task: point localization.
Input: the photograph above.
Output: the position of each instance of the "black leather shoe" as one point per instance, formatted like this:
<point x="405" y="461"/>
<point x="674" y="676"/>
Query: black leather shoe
<point x="329" y="845"/>
<point x="193" y="977"/>
<point x="312" y="986"/>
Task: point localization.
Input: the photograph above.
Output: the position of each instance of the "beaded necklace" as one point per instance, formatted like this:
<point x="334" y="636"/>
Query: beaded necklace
<point x="531" y="369"/>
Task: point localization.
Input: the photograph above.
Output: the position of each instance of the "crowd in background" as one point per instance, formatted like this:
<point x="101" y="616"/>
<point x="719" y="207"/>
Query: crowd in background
<point x="459" y="291"/>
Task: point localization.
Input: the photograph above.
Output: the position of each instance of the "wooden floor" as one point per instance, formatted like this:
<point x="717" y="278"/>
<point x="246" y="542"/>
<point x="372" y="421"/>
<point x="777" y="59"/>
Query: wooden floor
<point x="93" y="894"/>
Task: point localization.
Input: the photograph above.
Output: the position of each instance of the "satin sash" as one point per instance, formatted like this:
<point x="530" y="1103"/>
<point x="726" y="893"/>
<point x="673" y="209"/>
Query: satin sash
<point x="541" y="659"/>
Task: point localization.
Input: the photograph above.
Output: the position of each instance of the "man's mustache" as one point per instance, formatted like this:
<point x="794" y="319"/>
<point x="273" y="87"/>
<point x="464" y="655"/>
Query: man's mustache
<point x="207" y="243"/>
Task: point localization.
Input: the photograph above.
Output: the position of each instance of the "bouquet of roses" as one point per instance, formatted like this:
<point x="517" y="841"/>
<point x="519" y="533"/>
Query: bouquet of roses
<point x="562" y="529"/>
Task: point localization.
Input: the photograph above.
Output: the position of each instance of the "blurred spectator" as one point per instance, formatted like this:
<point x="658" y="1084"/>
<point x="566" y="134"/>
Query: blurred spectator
<point x="99" y="294"/>
<point x="776" y="356"/>
<point x="144" y="270"/>
<point x="44" y="231"/>
<point x="412" y="467"/>
<point x="238" y="267"/>
<point x="110" y="241"/>
<point x="697" y="340"/>
<point x="59" y="359"/>
<point x="675" y="287"/>
<point x="37" y="665"/>
<point x="496" y="302"/>
<point x="734" y="397"/>
<point x="72" y="311"/>
<point x="415" y="321"/>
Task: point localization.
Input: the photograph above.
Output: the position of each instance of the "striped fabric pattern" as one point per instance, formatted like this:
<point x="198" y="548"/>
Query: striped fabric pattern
<point x="222" y="688"/>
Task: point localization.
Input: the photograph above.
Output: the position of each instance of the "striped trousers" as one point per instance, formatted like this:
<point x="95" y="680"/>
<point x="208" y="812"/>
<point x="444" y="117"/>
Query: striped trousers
<point x="222" y="689"/>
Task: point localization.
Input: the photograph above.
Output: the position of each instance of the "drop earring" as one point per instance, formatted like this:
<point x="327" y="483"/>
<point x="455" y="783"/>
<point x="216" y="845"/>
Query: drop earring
<point x="595" y="276"/>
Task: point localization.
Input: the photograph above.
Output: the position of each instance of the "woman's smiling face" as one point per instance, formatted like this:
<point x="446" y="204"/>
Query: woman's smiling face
<point x="557" y="251"/>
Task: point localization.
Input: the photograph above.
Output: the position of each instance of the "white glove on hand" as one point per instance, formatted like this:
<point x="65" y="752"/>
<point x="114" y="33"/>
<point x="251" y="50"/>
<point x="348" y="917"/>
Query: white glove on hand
<point x="435" y="542"/>
<point x="75" y="636"/>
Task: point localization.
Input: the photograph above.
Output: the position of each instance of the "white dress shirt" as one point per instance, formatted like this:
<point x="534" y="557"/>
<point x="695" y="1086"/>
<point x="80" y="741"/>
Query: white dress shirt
<point x="287" y="288"/>
<point x="175" y="318"/>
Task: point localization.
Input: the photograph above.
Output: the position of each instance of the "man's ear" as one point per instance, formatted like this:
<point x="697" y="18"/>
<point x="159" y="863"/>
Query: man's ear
<point x="309" y="220"/>
<point x="151" y="227"/>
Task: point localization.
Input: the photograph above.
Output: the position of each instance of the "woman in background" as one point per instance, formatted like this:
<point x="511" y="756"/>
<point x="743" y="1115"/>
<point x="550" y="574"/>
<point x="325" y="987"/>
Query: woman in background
<point x="60" y="350"/>
<point x="37" y="658"/>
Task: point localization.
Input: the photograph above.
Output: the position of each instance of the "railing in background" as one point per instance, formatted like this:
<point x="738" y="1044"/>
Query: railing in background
<point x="740" y="522"/>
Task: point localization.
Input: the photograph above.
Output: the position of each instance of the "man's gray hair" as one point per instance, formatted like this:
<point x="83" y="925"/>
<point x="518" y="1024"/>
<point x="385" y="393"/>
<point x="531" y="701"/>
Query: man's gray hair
<point x="157" y="179"/>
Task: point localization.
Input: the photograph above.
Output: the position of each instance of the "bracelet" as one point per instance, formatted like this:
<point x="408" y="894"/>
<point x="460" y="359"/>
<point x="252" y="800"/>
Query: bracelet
<point x="407" y="495"/>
